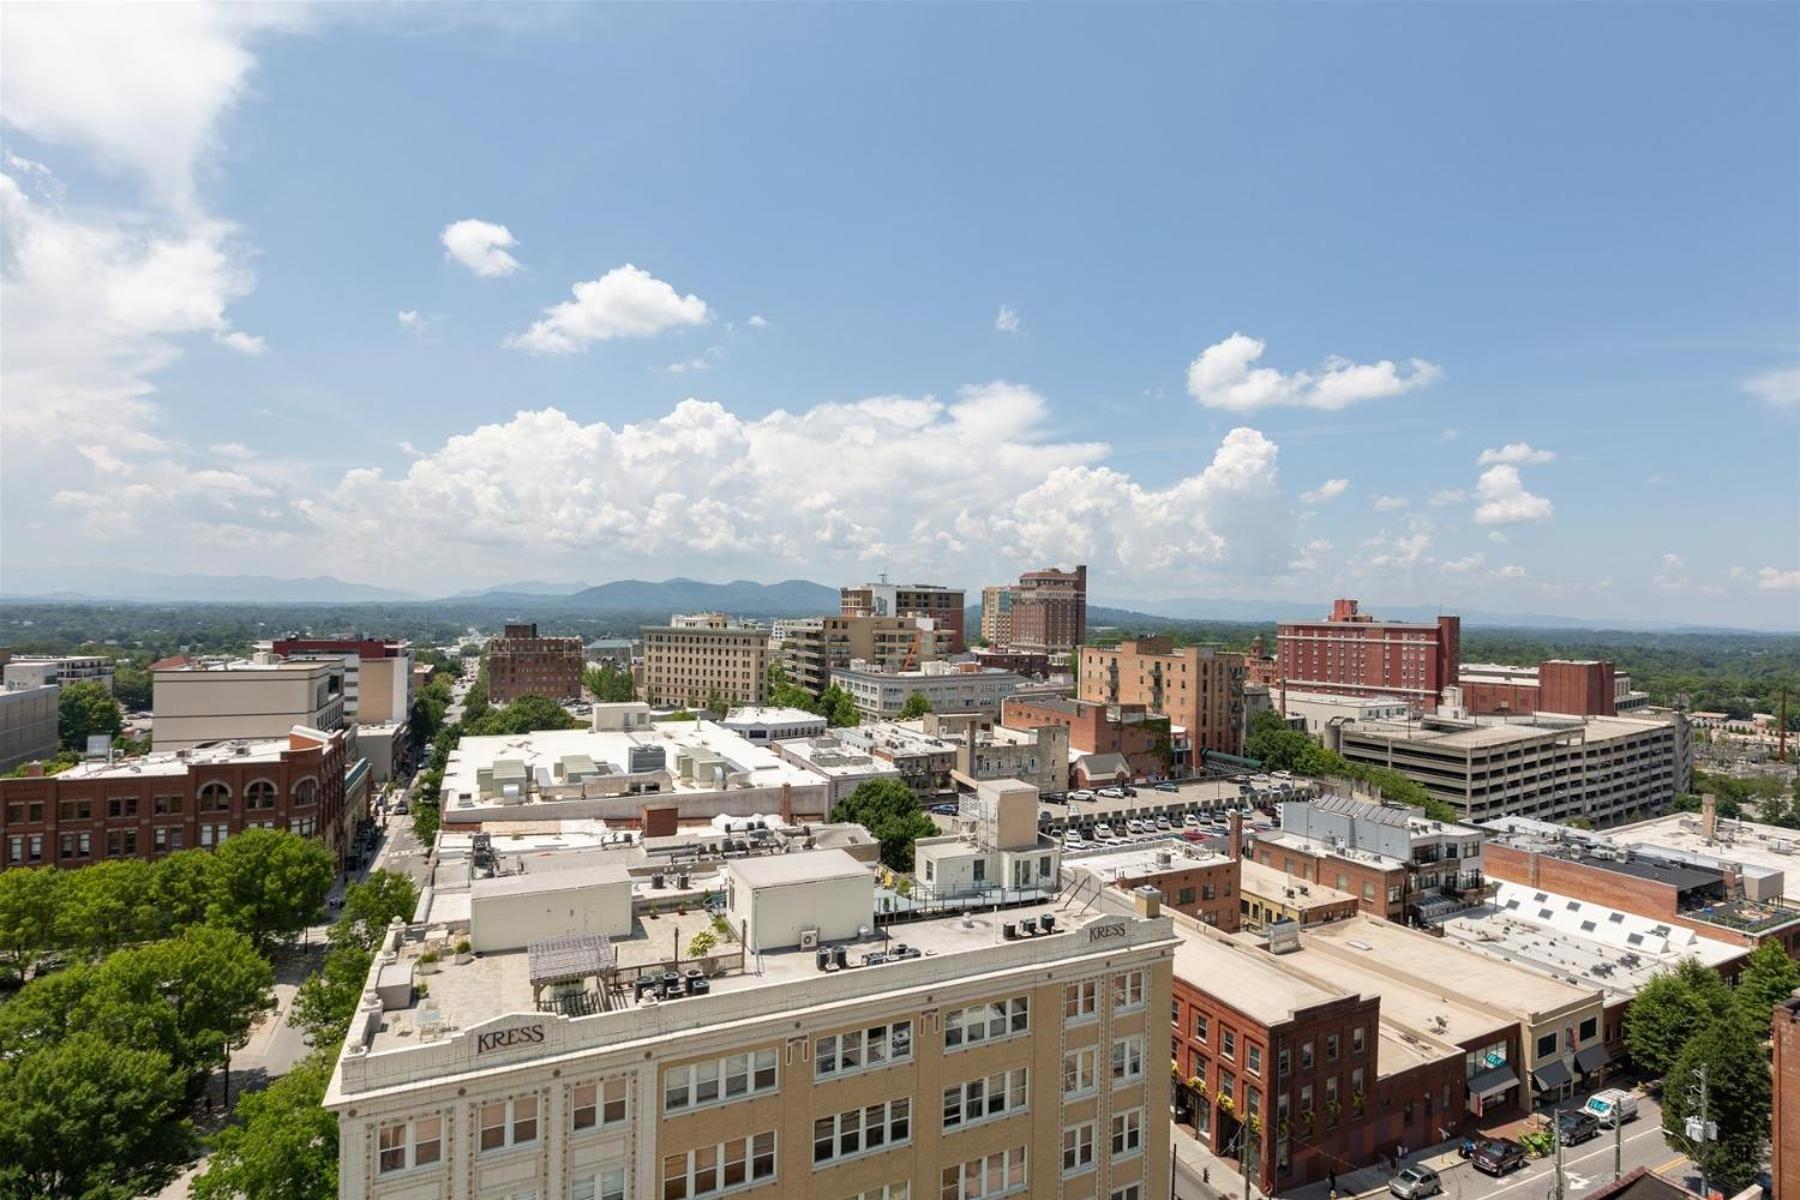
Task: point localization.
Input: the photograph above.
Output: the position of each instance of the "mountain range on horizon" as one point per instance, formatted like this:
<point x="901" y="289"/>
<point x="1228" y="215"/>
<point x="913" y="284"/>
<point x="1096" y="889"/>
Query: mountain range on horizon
<point x="792" y="597"/>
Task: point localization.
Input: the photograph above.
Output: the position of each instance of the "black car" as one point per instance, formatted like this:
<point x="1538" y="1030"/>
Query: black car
<point x="1576" y="1126"/>
<point x="1497" y="1156"/>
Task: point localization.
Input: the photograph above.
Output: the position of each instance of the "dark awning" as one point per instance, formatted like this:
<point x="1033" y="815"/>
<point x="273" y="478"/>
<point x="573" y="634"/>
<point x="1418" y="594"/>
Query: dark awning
<point x="1553" y="1074"/>
<point x="1489" y="1082"/>
<point x="1592" y="1058"/>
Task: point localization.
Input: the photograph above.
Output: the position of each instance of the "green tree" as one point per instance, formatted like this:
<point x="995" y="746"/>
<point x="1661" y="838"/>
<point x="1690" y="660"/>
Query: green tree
<point x="425" y="819"/>
<point x="523" y="715"/>
<point x="269" y="884"/>
<point x="43" y="1012"/>
<point x="27" y="916"/>
<point x="889" y="811"/>
<point x="183" y="888"/>
<point x="194" y="997"/>
<point x="916" y="706"/>
<point x="90" y="1119"/>
<point x="86" y="708"/>
<point x="838" y="707"/>
<point x="370" y="905"/>
<point x="609" y="684"/>
<point x="715" y="701"/>
<point x="1769" y="977"/>
<point x="284" y="1147"/>
<point x="792" y="695"/>
<point x="132" y="685"/>
<point x="325" y="1002"/>
<point x="1670" y="1010"/>
<point x="1738" y="1099"/>
<point x="107" y="905"/>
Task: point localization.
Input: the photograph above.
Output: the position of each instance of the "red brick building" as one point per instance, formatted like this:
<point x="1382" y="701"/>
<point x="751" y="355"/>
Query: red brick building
<point x="1578" y="688"/>
<point x="1199" y="688"/>
<point x="1705" y="899"/>
<point x="1127" y="730"/>
<point x="153" y="805"/>
<point x="1378" y="883"/>
<point x="521" y="663"/>
<point x="1784" y="1125"/>
<point x="1279" y="1065"/>
<point x="1049" y="610"/>
<point x="1351" y="653"/>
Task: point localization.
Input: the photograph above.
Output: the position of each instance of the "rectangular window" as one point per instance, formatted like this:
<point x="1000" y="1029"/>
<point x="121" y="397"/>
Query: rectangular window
<point x="1078" y="1072"/>
<point x="987" y="1022"/>
<point x="857" y="1050"/>
<point x="1080" y="1001"/>
<point x="1589" y="1028"/>
<point x="1128" y="990"/>
<point x="607" y="1185"/>
<point x="1227" y="1043"/>
<point x="506" y="1123"/>
<point x="1546" y="1044"/>
<point x="862" y="1130"/>
<point x="999" y="1174"/>
<point x="1128" y="1132"/>
<point x="401" y="1145"/>
<point x="595" y="1104"/>
<point x="721" y="1168"/>
<point x="1306" y="1056"/>
<point x="1131" y="1191"/>
<point x="1127" y="1060"/>
<point x="1331" y="1047"/>
<point x="997" y="1095"/>
<point x="1358" y="1040"/>
<point x="1253" y="1058"/>
<point x="1200" y="1027"/>
<point x="1078" y="1148"/>
<point x="718" y="1080"/>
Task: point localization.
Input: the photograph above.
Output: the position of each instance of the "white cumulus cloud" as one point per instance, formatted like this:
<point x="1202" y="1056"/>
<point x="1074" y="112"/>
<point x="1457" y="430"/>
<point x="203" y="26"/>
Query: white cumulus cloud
<point x="1225" y="376"/>
<point x="480" y="246"/>
<point x="1516" y="453"/>
<point x="1331" y="489"/>
<point x="1447" y="496"/>
<point x="1389" y="503"/>
<point x="1504" y="499"/>
<point x="1007" y="320"/>
<point x="1773" y="579"/>
<point x="1780" y="387"/>
<point x="624" y="302"/>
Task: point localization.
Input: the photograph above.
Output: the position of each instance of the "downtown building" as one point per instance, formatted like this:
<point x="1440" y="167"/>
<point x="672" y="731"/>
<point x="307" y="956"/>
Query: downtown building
<point x="943" y="605"/>
<point x="1583" y="688"/>
<point x="835" y="1044"/>
<point x="308" y="782"/>
<point x="196" y="704"/>
<point x="520" y="662"/>
<point x="703" y="657"/>
<point x="1352" y="654"/>
<point x="1046" y="611"/>
<point x="1199" y="688"/>
<point x="811" y="648"/>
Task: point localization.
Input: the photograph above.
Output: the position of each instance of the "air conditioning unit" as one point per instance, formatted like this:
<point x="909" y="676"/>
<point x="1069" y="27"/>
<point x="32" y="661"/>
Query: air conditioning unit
<point x="809" y="938"/>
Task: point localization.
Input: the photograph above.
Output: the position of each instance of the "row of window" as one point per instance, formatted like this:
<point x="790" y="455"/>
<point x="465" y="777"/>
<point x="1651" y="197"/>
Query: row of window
<point x="721" y="1079"/>
<point x="725" y="1167"/>
<point x="212" y="797"/>
<point x="501" y="1124"/>
<point x="862" y="1049"/>
<point x="862" y="1130"/>
<point x="1253" y="1053"/>
<point x="987" y="1022"/>
<point x="996" y="1095"/>
<point x="998" y="1174"/>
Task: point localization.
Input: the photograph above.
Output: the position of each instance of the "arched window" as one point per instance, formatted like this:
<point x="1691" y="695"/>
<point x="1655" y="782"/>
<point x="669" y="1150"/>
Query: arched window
<point x="306" y="792"/>
<point x="215" y="797"/>
<point x="260" y="794"/>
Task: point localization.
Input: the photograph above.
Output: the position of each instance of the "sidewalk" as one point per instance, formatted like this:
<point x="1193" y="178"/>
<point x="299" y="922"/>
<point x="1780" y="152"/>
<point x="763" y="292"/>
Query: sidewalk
<point x="1221" y="1178"/>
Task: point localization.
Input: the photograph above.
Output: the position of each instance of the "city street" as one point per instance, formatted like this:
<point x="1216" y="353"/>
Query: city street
<point x="1200" y="1176"/>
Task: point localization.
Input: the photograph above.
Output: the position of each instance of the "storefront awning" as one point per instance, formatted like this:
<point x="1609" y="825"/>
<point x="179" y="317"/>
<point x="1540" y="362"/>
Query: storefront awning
<point x="1492" y="1082"/>
<point x="1592" y="1058"/>
<point x="1553" y="1074"/>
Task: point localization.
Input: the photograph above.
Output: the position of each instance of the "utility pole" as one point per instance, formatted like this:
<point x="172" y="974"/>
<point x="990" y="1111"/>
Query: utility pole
<point x="1618" y="1144"/>
<point x="1558" y="1186"/>
<point x="1701" y="1072"/>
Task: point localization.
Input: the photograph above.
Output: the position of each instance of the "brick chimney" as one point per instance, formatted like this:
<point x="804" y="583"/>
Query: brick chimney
<point x="34" y="770"/>
<point x="787" y="804"/>
<point x="1709" y="817"/>
<point x="1236" y="824"/>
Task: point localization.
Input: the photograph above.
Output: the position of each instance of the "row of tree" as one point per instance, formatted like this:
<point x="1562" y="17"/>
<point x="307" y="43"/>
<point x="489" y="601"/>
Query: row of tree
<point x="609" y="684"/>
<point x="266" y="884"/>
<point x="1685" y="1021"/>
<point x="1280" y="748"/>
<point x="836" y="705"/>
<point x="284" y="1145"/>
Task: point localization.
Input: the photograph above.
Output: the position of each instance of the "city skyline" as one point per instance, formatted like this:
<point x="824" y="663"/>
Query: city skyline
<point x="1269" y="304"/>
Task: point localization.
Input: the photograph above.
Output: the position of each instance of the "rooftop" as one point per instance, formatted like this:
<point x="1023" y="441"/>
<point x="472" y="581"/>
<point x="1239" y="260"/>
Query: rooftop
<point x="1441" y="733"/>
<point x="1248" y="977"/>
<point x="1578" y="941"/>
<point x="1161" y="857"/>
<point x="780" y="870"/>
<point x="770" y="715"/>
<point x="1318" y="846"/>
<point x="1258" y="880"/>
<point x="1396" y="951"/>
<point x="177" y="762"/>
<point x="829" y="756"/>
<point x="1768" y="847"/>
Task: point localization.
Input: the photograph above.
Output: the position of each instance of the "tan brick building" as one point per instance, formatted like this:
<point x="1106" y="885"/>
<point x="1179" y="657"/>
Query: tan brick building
<point x="1199" y="688"/>
<point x="520" y="662"/>
<point x="1785" y="1124"/>
<point x="695" y="658"/>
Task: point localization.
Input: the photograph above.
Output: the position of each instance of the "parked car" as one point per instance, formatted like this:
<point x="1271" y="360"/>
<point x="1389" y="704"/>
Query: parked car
<point x="1192" y="820"/>
<point x="1081" y="794"/>
<point x="400" y="809"/>
<point x="1103" y="831"/>
<point x="1577" y="1126"/>
<point x="1128" y="790"/>
<point x="1162" y="824"/>
<point x="1497" y="1156"/>
<point x="1612" y="1107"/>
<point x="1193" y="835"/>
<point x="1111" y="793"/>
<point x="1167" y="787"/>
<point x="1415" y="1183"/>
<point x="1073" y="841"/>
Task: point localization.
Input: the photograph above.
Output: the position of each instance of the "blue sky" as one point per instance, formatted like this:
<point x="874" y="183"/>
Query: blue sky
<point x="1492" y="306"/>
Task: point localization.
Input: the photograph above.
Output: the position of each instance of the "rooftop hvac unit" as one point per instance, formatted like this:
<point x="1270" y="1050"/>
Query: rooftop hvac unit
<point x="809" y="938"/>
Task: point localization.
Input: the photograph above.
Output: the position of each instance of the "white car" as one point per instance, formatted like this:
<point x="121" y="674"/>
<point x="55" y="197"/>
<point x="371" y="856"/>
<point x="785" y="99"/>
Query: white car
<point x="1103" y="831"/>
<point x="1112" y="793"/>
<point x="1135" y="826"/>
<point x="1162" y="824"/>
<point x="1192" y="820"/>
<point x="1083" y="794"/>
<point x="1073" y="841"/>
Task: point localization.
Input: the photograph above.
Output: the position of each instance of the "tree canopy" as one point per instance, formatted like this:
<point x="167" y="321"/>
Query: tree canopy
<point x="1769" y="977"/>
<point x="327" y="1001"/>
<point x="90" y="1118"/>
<point x="269" y="884"/>
<point x="371" y="905"/>
<point x="523" y="715"/>
<point x="888" y="810"/>
<point x="1280" y="748"/>
<point x="285" y="1146"/>
<point x="1671" y="1009"/>
<point x="609" y="684"/>
<point x="86" y="708"/>
<point x="916" y="706"/>
<point x="1738" y="1099"/>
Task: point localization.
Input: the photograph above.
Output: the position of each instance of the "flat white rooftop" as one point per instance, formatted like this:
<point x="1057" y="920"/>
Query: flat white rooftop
<point x="778" y="870"/>
<point x="771" y="716"/>
<point x="1160" y="857"/>
<point x="1769" y="847"/>
<point x="173" y="762"/>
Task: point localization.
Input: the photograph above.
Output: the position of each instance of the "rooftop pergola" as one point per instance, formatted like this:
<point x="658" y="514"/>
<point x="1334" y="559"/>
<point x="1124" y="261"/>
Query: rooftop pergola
<point x="568" y="958"/>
